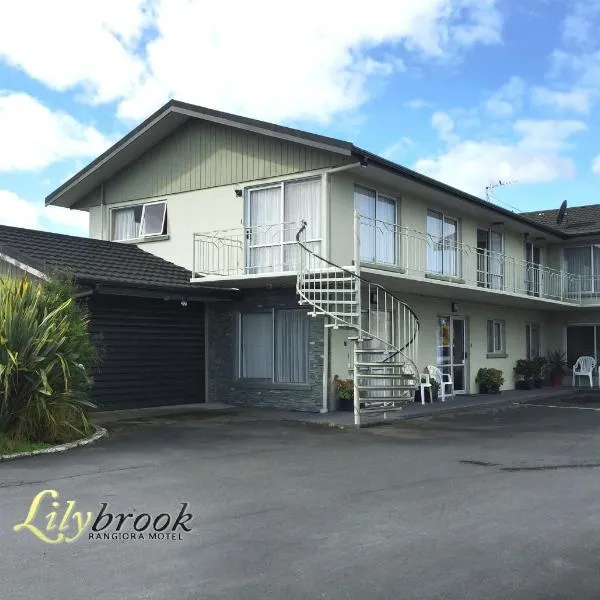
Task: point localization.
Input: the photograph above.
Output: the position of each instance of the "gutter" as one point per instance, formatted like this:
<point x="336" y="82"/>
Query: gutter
<point x="366" y="156"/>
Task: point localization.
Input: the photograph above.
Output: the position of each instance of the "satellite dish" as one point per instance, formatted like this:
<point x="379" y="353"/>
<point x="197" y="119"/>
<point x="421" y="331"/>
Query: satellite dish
<point x="562" y="211"/>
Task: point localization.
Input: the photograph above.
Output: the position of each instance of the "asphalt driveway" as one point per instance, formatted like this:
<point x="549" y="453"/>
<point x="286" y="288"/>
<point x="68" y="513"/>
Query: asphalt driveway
<point x="493" y="505"/>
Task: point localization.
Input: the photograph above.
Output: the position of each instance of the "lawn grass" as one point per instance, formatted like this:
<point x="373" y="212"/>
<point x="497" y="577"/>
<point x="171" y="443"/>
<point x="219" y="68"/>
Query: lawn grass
<point x="10" y="446"/>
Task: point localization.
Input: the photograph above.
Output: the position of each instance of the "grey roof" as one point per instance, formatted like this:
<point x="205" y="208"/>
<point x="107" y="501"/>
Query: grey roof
<point x="98" y="262"/>
<point x="174" y="113"/>
<point x="579" y="220"/>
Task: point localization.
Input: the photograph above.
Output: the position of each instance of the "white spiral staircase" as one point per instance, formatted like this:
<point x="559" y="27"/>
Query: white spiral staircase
<point x="386" y="330"/>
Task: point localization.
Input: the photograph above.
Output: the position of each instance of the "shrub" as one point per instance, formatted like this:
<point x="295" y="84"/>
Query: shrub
<point x="491" y="379"/>
<point x="46" y="358"/>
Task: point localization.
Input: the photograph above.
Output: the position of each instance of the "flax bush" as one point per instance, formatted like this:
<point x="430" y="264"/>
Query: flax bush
<point x="46" y="360"/>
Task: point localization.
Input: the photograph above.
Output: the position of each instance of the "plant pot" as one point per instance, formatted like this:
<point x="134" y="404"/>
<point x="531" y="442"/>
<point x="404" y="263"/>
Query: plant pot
<point x="524" y="384"/>
<point x="556" y="379"/>
<point x="538" y="383"/>
<point x="485" y="388"/>
<point x="346" y="404"/>
<point x="427" y="395"/>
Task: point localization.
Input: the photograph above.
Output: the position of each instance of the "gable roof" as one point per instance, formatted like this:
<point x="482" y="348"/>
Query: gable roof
<point x="174" y="113"/>
<point x="579" y="220"/>
<point x="92" y="261"/>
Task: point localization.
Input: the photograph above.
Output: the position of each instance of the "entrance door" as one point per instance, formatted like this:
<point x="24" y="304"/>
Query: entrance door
<point x="452" y="357"/>
<point x="533" y="256"/>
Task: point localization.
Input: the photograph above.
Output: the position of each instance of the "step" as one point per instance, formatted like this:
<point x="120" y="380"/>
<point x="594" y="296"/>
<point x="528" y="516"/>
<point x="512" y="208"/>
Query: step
<point x="389" y="365"/>
<point x="373" y="351"/>
<point x="384" y="388"/>
<point x="386" y="376"/>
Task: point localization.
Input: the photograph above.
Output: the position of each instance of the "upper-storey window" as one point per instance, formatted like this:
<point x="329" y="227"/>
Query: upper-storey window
<point x="490" y="259"/>
<point x="377" y="226"/>
<point x="273" y="215"/>
<point x="585" y="262"/>
<point x="442" y="244"/>
<point x="139" y="221"/>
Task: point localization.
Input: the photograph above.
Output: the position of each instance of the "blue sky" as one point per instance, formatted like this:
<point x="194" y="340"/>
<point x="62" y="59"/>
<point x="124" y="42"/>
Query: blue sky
<point x="467" y="91"/>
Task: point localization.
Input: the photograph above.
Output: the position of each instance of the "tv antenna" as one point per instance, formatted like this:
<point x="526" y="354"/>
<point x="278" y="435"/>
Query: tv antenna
<point x="489" y="191"/>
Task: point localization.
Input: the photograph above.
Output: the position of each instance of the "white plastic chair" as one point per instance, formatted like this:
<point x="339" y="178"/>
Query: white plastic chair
<point x="443" y="379"/>
<point x="584" y="367"/>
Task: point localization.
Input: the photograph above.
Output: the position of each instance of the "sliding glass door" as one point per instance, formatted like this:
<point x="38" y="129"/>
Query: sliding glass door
<point x="442" y="244"/>
<point x="273" y="216"/>
<point x="377" y="226"/>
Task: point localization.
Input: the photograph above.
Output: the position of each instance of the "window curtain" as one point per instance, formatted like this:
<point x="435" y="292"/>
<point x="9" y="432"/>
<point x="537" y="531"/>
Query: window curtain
<point x="435" y="236"/>
<point x="302" y="201"/>
<point x="256" y="346"/>
<point x="496" y="260"/>
<point x="578" y="261"/>
<point x="124" y="224"/>
<point x="291" y="346"/>
<point x="364" y="203"/>
<point x="385" y="231"/>
<point x="263" y="230"/>
<point x="450" y="242"/>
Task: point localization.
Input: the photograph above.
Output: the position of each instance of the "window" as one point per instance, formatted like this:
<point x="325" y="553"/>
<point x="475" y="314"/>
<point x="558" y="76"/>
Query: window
<point x="496" y="337"/>
<point x="274" y="346"/>
<point x="442" y="244"/>
<point x="273" y="215"/>
<point x="139" y="221"/>
<point x="533" y="256"/>
<point x="585" y="262"/>
<point x="532" y="340"/>
<point x="490" y="259"/>
<point x="377" y="226"/>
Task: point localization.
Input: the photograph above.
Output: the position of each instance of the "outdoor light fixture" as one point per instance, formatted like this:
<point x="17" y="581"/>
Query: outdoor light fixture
<point x="455" y="307"/>
<point x="238" y="193"/>
<point x="364" y="161"/>
<point x="373" y="297"/>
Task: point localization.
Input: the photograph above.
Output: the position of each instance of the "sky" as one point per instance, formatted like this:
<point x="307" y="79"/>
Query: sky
<point x="470" y="92"/>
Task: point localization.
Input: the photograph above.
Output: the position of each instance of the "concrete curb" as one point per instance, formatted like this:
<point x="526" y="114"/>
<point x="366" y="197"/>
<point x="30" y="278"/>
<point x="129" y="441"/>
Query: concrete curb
<point x="98" y="434"/>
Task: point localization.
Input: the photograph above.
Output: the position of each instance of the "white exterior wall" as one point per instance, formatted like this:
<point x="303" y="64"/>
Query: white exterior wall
<point x="429" y="309"/>
<point x="198" y="211"/>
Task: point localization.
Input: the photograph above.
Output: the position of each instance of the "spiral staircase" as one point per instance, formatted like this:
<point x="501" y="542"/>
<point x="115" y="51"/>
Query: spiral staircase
<point x="385" y="331"/>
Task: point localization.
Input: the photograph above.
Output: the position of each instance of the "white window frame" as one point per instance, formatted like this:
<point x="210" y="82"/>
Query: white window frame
<point x="280" y="220"/>
<point x="273" y="379"/>
<point x="498" y="346"/>
<point x="395" y="224"/>
<point x="529" y="326"/>
<point x="594" y="285"/>
<point x="141" y="236"/>
<point x="445" y="216"/>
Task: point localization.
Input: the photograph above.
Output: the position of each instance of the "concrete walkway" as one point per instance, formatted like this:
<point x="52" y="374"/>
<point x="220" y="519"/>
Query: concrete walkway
<point x="464" y="403"/>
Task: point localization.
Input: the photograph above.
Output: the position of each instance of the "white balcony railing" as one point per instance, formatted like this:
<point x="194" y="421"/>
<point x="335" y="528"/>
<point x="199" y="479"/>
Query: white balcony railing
<point x="269" y="249"/>
<point x="418" y="254"/>
<point x="249" y="250"/>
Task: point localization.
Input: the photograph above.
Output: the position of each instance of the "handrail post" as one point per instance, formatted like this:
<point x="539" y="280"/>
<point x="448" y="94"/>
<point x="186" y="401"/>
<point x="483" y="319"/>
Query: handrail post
<point x="359" y="316"/>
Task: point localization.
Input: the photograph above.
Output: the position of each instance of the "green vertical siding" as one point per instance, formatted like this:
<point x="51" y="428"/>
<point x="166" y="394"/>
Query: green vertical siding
<point x="202" y="155"/>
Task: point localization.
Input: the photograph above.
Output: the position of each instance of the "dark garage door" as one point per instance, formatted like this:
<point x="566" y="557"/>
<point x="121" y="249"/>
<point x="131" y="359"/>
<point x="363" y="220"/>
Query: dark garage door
<point x="153" y="352"/>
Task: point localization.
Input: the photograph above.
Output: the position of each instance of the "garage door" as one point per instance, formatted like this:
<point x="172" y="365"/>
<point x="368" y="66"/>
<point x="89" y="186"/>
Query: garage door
<point x="153" y="352"/>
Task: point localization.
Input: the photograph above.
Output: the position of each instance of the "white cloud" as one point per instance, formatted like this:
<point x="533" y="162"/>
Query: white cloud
<point x="536" y="156"/>
<point x="33" y="136"/>
<point x="398" y="148"/>
<point x="508" y="99"/>
<point x="444" y="125"/>
<point x="596" y="165"/>
<point x="580" y="24"/>
<point x="19" y="212"/>
<point x="417" y="103"/>
<point x="262" y="62"/>
<point x="576" y="100"/>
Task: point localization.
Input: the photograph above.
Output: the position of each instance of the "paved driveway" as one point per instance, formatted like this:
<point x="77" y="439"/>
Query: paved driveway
<point x="497" y="505"/>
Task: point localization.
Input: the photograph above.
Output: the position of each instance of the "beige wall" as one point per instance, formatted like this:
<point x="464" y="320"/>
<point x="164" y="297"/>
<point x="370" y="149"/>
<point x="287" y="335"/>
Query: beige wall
<point x="429" y="309"/>
<point x="188" y="213"/>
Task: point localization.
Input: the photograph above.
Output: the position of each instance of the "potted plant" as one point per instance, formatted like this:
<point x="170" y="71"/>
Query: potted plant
<point x="539" y="370"/>
<point x="524" y="370"/>
<point x="556" y="367"/>
<point x="489" y="380"/>
<point x="345" y="393"/>
<point x="431" y="393"/>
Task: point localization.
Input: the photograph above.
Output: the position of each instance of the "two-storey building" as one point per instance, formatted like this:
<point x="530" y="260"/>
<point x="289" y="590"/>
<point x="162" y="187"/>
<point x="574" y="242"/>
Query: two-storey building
<point x="397" y="270"/>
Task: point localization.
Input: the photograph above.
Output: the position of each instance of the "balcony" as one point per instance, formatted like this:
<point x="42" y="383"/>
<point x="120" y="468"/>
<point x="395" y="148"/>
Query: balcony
<point x="269" y="250"/>
<point x="248" y="251"/>
<point x="382" y="245"/>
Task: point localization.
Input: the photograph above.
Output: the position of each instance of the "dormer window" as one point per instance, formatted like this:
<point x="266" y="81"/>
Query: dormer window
<point x="139" y="221"/>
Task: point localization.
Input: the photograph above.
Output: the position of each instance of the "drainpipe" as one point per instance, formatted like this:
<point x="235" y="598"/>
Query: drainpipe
<point x="325" y="251"/>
